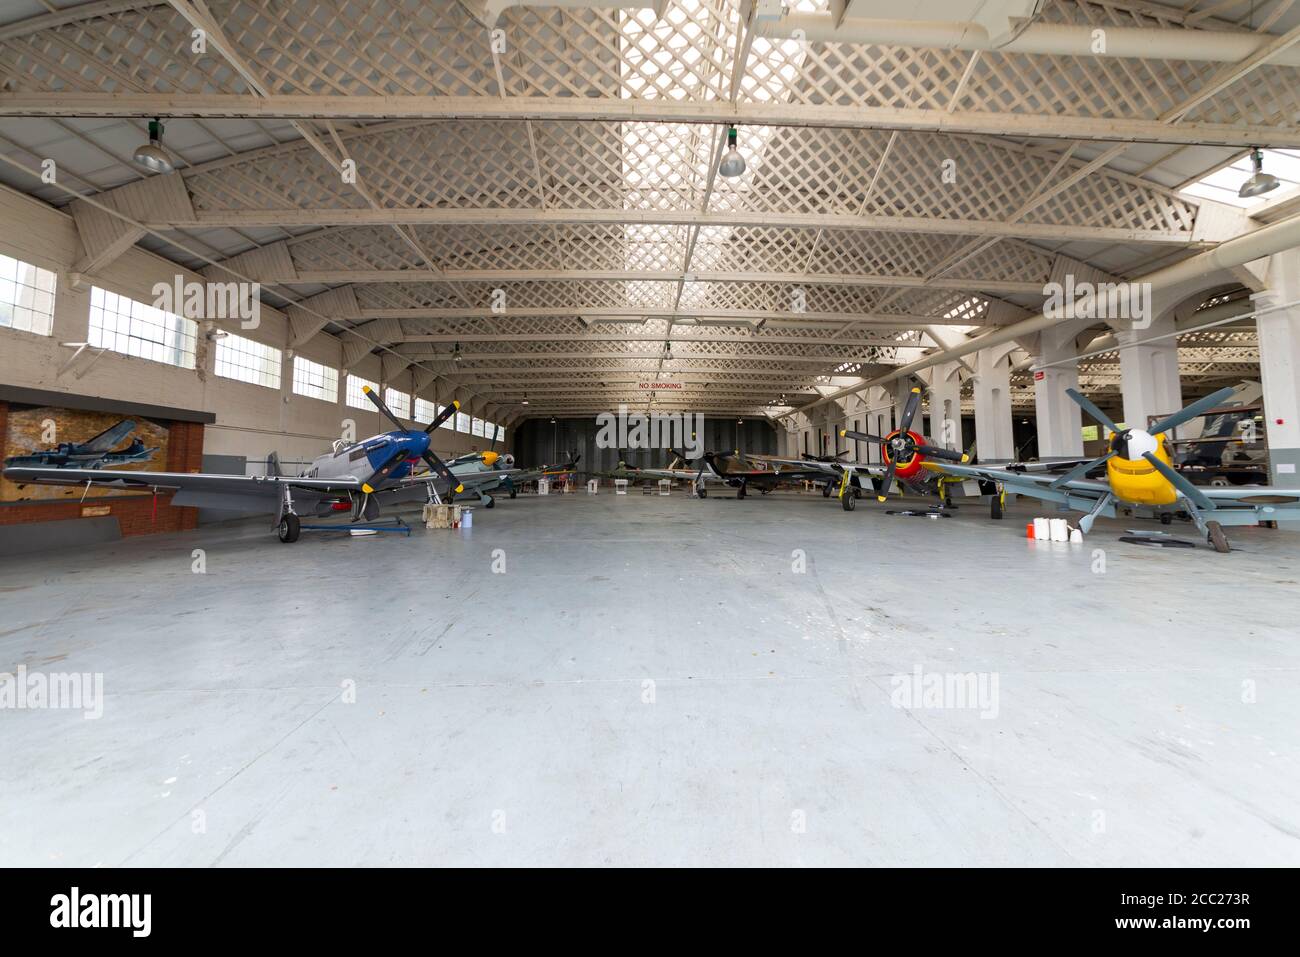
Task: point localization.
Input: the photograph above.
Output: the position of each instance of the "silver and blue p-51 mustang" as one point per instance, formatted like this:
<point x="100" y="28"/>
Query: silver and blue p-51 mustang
<point x="356" y="477"/>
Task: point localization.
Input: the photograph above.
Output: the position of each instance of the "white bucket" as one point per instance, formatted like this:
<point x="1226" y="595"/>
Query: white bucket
<point x="1060" y="530"/>
<point x="1041" y="529"/>
<point x="466" y="519"/>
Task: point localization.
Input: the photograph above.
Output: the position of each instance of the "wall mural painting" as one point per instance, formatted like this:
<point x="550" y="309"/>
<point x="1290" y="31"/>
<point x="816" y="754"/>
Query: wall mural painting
<point x="49" y="437"/>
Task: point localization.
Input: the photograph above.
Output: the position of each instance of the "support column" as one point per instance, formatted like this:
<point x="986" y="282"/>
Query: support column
<point x="1279" y="366"/>
<point x="903" y="392"/>
<point x="1149" y="372"/>
<point x="1059" y="419"/>
<point x="994" y="439"/>
<point x="944" y="388"/>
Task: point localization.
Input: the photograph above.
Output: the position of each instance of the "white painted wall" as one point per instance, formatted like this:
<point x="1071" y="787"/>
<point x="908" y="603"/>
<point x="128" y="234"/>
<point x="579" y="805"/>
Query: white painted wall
<point x="251" y="420"/>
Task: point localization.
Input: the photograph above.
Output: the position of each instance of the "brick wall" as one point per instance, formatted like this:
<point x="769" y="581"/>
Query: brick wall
<point x="135" y="514"/>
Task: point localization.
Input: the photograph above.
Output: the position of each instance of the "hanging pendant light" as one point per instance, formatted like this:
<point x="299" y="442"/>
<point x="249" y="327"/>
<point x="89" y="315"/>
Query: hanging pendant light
<point x="1259" y="182"/>
<point x="733" y="164"/>
<point x="152" y="156"/>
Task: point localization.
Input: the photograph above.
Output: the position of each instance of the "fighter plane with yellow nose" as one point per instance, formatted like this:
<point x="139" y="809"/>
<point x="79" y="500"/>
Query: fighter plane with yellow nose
<point x="1140" y="476"/>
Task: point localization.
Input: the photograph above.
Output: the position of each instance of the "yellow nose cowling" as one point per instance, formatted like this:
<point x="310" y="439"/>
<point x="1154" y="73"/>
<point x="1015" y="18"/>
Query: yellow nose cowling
<point x="490" y="458"/>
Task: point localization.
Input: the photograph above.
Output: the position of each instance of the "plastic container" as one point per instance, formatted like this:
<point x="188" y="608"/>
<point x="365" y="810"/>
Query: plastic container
<point x="1029" y="530"/>
<point x="1060" y="530"/>
<point x="1042" y="530"/>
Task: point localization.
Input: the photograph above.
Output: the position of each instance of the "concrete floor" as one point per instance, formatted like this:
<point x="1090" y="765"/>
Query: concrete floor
<point x="651" y="681"/>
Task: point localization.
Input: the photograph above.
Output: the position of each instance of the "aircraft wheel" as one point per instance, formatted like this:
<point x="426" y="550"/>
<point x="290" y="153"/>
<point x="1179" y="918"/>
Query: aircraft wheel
<point x="826" y="491"/>
<point x="1166" y="518"/>
<point x="702" y="492"/>
<point x="289" y="529"/>
<point x="1217" y="538"/>
<point x="995" y="507"/>
<point x="514" y="492"/>
<point x="740" y="492"/>
<point x="849" y="500"/>
<point x="491" y="502"/>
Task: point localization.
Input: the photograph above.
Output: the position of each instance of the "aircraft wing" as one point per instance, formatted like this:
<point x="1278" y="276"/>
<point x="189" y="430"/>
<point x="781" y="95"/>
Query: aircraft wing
<point x="192" y="488"/>
<point x="1025" y="482"/>
<point x="790" y="468"/>
<point x="105" y="441"/>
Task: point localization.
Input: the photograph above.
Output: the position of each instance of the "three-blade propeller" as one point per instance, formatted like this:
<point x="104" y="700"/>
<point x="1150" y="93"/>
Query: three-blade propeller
<point x="436" y="465"/>
<point x="901" y="445"/>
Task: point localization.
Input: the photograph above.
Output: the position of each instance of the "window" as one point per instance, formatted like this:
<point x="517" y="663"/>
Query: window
<point x="26" y="297"/>
<point x="501" y="434"/>
<point x="399" y="402"/>
<point x="356" y="398"/>
<point x="248" y="361"/>
<point x="477" y="427"/>
<point x="462" y="422"/>
<point x="315" y="380"/>
<point x="425" y="412"/>
<point x="449" y="422"/>
<point x="135" y="329"/>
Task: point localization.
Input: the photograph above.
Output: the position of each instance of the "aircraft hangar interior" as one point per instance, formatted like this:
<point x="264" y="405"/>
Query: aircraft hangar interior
<point x="673" y="433"/>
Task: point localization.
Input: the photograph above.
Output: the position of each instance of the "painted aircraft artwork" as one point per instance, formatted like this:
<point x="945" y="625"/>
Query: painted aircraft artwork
<point x="95" y="453"/>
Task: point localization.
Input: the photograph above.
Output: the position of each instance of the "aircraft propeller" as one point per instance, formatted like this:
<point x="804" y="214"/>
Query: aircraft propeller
<point x="900" y="444"/>
<point x="435" y="464"/>
<point x="1120" y="439"/>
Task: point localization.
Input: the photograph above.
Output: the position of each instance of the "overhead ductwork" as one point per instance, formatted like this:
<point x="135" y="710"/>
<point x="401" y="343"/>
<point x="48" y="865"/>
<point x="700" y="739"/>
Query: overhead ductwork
<point x="1003" y="27"/>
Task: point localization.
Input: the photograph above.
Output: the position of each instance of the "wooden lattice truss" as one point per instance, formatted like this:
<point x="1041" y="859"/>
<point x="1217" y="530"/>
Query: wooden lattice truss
<point x="535" y="208"/>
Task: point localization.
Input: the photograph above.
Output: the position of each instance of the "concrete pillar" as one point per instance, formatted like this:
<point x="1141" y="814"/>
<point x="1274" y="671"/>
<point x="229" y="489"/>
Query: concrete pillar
<point x="1279" y="366"/>
<point x="903" y="392"/>
<point x="994" y="439"/>
<point x="1059" y="418"/>
<point x="1149" y="372"/>
<point x="944" y="394"/>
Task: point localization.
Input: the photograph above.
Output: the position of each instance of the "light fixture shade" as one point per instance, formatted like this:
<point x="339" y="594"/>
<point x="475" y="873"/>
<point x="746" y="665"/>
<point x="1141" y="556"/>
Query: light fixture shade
<point x="733" y="164"/>
<point x="1259" y="182"/>
<point x="152" y="156"/>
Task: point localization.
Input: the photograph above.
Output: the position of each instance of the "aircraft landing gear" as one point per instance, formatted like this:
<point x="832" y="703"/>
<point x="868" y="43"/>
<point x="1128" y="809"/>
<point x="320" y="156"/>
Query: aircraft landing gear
<point x="740" y="492"/>
<point x="289" y="528"/>
<point x="1217" y="538"/>
<point x="702" y="492"/>
<point x="849" y="500"/>
<point x="490" y="503"/>
<point x="514" y="492"/>
<point x="826" y="490"/>
<point x="997" y="505"/>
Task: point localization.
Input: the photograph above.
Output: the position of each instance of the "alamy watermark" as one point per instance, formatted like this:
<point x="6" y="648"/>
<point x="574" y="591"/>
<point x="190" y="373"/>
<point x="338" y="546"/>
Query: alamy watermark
<point x="1129" y="301"/>
<point x="211" y="300"/>
<point x="69" y="691"/>
<point x="658" y="430"/>
<point x="973" y="690"/>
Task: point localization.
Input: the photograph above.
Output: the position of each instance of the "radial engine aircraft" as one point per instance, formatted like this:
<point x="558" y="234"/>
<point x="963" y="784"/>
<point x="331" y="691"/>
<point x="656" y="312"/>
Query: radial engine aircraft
<point x="904" y="452"/>
<point x="94" y="453"/>
<point x="352" y="477"/>
<point x="1140" y="476"/>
